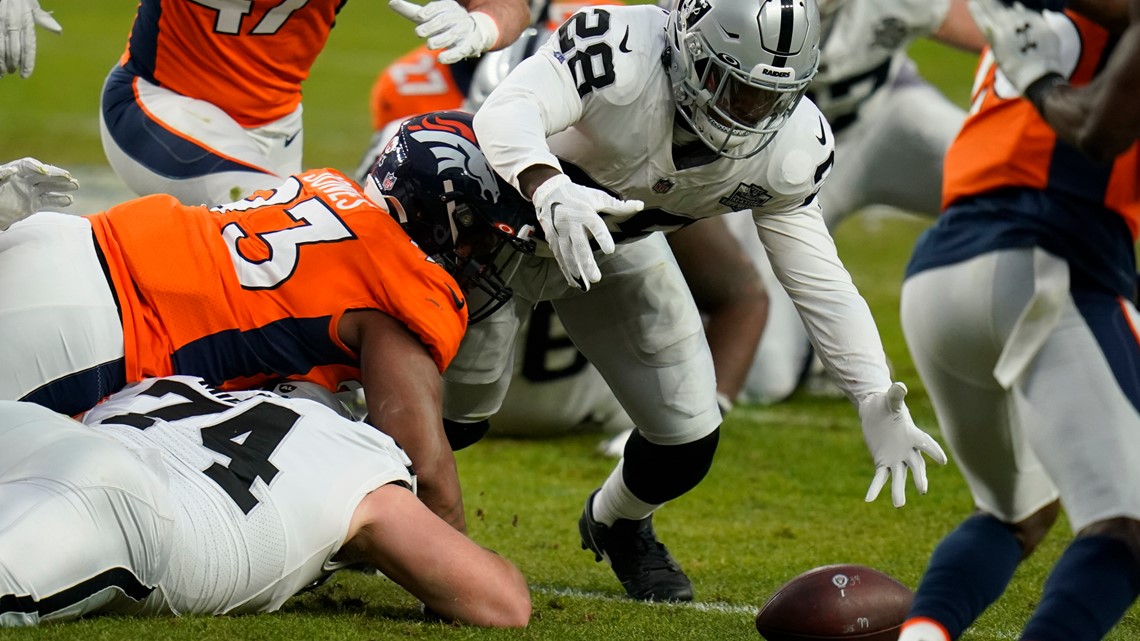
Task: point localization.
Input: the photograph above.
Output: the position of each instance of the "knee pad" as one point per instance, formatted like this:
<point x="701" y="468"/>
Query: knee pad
<point x="659" y="473"/>
<point x="461" y="435"/>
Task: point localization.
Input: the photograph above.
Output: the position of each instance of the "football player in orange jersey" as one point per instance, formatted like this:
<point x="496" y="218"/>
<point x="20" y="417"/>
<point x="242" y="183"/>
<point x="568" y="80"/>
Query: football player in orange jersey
<point x="205" y="103"/>
<point x="312" y="280"/>
<point x="1017" y="309"/>
<point x="1099" y="118"/>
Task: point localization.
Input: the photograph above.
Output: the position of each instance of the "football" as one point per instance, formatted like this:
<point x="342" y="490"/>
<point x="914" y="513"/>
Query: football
<point x="851" y="602"/>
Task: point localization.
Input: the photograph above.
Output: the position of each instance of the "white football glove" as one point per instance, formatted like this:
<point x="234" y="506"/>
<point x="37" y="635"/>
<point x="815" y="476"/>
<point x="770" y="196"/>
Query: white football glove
<point x="27" y="186"/>
<point x="1025" y="46"/>
<point x="18" y="20"/>
<point x="895" y="443"/>
<point x="566" y="212"/>
<point x="447" y="25"/>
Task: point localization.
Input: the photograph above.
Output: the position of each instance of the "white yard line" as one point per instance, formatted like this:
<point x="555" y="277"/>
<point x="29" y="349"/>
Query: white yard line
<point x="726" y="608"/>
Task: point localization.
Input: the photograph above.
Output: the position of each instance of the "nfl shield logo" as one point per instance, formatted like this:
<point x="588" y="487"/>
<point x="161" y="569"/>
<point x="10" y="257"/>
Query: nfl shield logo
<point x="389" y="180"/>
<point x="663" y="186"/>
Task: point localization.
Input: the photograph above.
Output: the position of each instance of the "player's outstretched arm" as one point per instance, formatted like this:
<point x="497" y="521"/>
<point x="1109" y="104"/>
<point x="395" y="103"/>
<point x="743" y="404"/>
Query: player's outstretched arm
<point x="466" y="29"/>
<point x="402" y="388"/>
<point x="452" y="575"/>
<point x="18" y="21"/>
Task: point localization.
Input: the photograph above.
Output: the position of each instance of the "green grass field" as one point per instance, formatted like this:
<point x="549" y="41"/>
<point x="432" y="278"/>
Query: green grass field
<point x="785" y="493"/>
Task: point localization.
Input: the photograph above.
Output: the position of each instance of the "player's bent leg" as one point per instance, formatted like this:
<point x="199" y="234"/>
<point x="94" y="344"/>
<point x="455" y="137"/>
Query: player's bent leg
<point x="1098" y="576"/>
<point x="158" y="141"/>
<point x="60" y="332"/>
<point x="641" y="329"/>
<point x="476" y="381"/>
<point x="68" y="492"/>
<point x="899" y="156"/>
<point x="955" y="320"/>
<point x="1091" y="586"/>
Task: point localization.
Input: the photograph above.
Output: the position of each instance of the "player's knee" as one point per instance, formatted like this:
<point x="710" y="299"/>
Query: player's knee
<point x="1031" y="531"/>
<point x="1121" y="528"/>
<point x="660" y="473"/>
<point x="461" y="435"/>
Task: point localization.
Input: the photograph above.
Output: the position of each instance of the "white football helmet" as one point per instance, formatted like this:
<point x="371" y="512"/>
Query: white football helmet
<point x="740" y="67"/>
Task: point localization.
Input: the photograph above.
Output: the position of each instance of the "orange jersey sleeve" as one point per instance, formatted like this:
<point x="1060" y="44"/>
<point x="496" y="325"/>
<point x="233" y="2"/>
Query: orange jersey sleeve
<point x="248" y="57"/>
<point x="1004" y="142"/>
<point x="415" y="83"/>
<point x="251" y="291"/>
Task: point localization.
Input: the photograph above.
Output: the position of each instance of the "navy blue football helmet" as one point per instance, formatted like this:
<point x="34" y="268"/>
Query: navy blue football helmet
<point x="438" y="185"/>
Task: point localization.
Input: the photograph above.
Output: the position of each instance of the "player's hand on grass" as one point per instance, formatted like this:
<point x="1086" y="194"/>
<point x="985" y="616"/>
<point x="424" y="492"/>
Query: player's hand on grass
<point x="445" y="24"/>
<point x="896" y="444"/>
<point x="28" y="185"/>
<point x="18" y="20"/>
<point x="1025" y="46"/>
<point x="569" y="215"/>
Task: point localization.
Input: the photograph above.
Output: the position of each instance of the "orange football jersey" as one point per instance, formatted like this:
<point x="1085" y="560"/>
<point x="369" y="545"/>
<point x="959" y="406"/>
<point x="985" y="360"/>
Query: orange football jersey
<point x="251" y="291"/>
<point x="248" y="57"/>
<point x="1004" y="142"/>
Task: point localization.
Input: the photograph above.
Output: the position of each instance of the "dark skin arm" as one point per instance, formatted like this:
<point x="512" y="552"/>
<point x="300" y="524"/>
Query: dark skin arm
<point x="403" y="390"/>
<point x="729" y="291"/>
<point x="1101" y="118"/>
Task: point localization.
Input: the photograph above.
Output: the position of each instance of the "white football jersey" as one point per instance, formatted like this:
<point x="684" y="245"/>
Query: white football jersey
<point x="863" y="47"/>
<point x="609" y="113"/>
<point x="596" y="101"/>
<point x="264" y="487"/>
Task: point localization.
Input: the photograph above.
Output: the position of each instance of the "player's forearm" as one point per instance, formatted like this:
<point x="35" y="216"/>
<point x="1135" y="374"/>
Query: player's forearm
<point x="512" y="125"/>
<point x="734" y="332"/>
<point x="438" y="488"/>
<point x="511" y="16"/>
<point x="835" y="315"/>
<point x="1101" y="118"/>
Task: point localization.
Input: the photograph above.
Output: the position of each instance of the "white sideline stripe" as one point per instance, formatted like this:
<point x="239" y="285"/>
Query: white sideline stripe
<point x="715" y="606"/>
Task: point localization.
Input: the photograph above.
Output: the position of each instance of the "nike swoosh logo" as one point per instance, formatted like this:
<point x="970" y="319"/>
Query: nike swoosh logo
<point x="459" y="302"/>
<point x="822" y="137"/>
<point x="289" y="140"/>
<point x="624" y="46"/>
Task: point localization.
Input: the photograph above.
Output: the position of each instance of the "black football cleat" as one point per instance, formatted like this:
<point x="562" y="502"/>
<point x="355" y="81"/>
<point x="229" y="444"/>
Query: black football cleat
<point x="640" y="561"/>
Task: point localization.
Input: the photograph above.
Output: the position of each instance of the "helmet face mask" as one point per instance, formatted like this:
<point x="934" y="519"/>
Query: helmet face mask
<point x="738" y="71"/>
<point x="437" y="184"/>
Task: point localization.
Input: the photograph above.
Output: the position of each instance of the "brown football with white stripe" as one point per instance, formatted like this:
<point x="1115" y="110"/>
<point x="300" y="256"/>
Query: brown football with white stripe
<point x="848" y="602"/>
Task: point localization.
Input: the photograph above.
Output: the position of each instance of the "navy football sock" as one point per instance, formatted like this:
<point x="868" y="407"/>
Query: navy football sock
<point x="968" y="571"/>
<point x="1090" y="588"/>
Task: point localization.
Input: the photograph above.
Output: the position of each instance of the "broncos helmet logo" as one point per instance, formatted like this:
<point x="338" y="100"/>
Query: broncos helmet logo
<point x="453" y="150"/>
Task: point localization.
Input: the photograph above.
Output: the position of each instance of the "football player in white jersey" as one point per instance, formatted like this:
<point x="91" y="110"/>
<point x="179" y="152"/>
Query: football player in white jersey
<point x="695" y="112"/>
<point x="173" y="498"/>
<point x="891" y="131"/>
